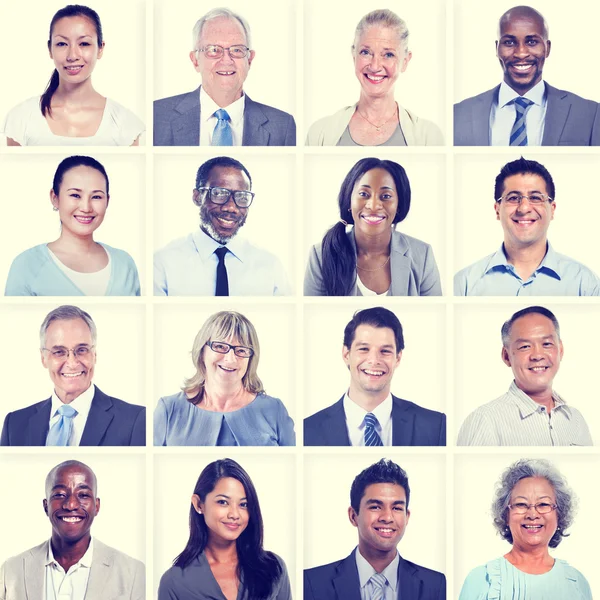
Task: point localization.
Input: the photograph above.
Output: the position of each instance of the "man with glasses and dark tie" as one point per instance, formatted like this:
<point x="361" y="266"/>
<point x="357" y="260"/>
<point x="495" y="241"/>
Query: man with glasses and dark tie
<point x="526" y="264"/>
<point x="524" y="110"/>
<point x="368" y="414"/>
<point x="78" y="413"/>
<point x="212" y="261"/>
<point x="218" y="113"/>
<point x="379" y="499"/>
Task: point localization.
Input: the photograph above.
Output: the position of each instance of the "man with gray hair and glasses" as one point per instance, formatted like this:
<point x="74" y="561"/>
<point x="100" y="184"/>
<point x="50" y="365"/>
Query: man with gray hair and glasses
<point x="531" y="413"/>
<point x="77" y="413"/>
<point x="218" y="113"/>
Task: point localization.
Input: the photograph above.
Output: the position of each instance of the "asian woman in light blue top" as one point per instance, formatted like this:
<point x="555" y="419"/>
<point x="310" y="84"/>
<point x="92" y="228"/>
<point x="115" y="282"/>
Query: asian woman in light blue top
<point x="75" y="264"/>
<point x="224" y="403"/>
<point x="532" y="510"/>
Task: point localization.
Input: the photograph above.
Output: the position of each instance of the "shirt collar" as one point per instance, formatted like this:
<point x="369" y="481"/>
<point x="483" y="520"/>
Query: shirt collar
<point x="366" y="571"/>
<point x="527" y="406"/>
<point x="550" y="261"/>
<point x="84" y="561"/>
<point x="206" y="246"/>
<point x="537" y="94"/>
<point x="208" y="107"/>
<point x="81" y="404"/>
<point x="355" y="415"/>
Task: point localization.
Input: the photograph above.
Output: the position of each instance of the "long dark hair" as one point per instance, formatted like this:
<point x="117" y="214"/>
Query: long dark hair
<point x="339" y="258"/>
<point x="258" y="568"/>
<point x="77" y="161"/>
<point x="72" y="10"/>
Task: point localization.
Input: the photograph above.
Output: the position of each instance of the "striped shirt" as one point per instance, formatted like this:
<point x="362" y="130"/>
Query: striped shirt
<point x="516" y="420"/>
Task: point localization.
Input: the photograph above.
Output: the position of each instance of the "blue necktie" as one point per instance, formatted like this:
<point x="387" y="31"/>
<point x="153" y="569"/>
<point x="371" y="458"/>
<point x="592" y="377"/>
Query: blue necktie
<point x="371" y="436"/>
<point x="60" y="432"/>
<point x="222" y="135"/>
<point x="378" y="580"/>
<point x="518" y="135"/>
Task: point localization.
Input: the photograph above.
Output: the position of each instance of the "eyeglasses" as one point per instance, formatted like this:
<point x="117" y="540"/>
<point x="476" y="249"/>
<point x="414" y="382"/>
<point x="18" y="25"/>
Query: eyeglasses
<point x="543" y="508"/>
<point x="223" y="348"/>
<point x="514" y="199"/>
<point x="59" y="352"/>
<point x="220" y="195"/>
<point x="214" y="51"/>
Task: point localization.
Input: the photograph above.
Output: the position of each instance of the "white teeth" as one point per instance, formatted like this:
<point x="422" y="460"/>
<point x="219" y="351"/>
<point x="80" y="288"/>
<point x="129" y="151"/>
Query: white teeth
<point x="373" y="219"/>
<point x="71" y="519"/>
<point x="532" y="526"/>
<point x="385" y="530"/>
<point x="72" y="374"/>
<point x="522" y="67"/>
<point x="536" y="369"/>
<point x="370" y="372"/>
<point x="375" y="77"/>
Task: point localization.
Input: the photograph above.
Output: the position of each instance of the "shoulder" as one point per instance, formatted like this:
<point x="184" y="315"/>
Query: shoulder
<point x="14" y="562"/>
<point x="433" y="577"/>
<point x="475" y="270"/>
<point x="426" y="133"/>
<point x="324" y="572"/>
<point x="570" y="96"/>
<point x="414" y="245"/>
<point x="418" y="411"/>
<point x="118" y="254"/>
<point x="122" y="560"/>
<point x="168" y="104"/>
<point x="125" y="408"/>
<point x="32" y="256"/>
<point x="574" y="575"/>
<point x="25" y="412"/>
<point x="325" y="413"/>
<point x="250" y="251"/>
<point x="478" y="581"/>
<point x="274" y="114"/>
<point x="25" y="108"/>
<point x="178" y="246"/>
<point x="174" y="401"/>
<point x="323" y="131"/>
<point x="468" y="103"/>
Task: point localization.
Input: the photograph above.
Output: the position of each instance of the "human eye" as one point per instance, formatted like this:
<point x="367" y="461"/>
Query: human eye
<point x="399" y="508"/>
<point x="543" y="506"/>
<point x="244" y="505"/>
<point x="389" y="55"/>
<point x="237" y="51"/>
<point x="222" y="502"/>
<point x="508" y="42"/>
<point x="386" y="196"/>
<point x="513" y="198"/>
<point x="548" y="344"/>
<point x="220" y="347"/>
<point x="536" y="198"/>
<point x="532" y="42"/>
<point x="82" y="350"/>
<point x="59" y="352"/>
<point x="521" y="506"/>
<point x="523" y="347"/>
<point x="364" y="52"/>
<point x="75" y="195"/>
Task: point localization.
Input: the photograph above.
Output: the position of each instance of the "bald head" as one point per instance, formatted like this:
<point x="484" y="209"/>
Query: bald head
<point x="56" y="473"/>
<point x="521" y="13"/>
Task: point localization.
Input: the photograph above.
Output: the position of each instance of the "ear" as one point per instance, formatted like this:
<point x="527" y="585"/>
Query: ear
<point x="497" y="209"/>
<point x="196" y="199"/>
<point x="346" y="356"/>
<point x="251" y="57"/>
<point x="496" y="48"/>
<point x="561" y="349"/>
<point x="101" y="50"/>
<point x="552" y="209"/>
<point x="548" y="46"/>
<point x="97" y="505"/>
<point x="405" y="61"/>
<point x="194" y="59"/>
<point x="45" y="505"/>
<point x="43" y="357"/>
<point x="505" y="357"/>
<point x="407" y="515"/>
<point x="398" y="357"/>
<point x="53" y="199"/>
<point x="107" y="200"/>
<point x="352" y="515"/>
<point x="197" y="503"/>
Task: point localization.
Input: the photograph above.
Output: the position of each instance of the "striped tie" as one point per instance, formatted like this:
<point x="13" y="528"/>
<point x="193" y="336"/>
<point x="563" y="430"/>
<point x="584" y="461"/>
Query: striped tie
<point x="379" y="582"/>
<point x="371" y="436"/>
<point x="518" y="135"/>
<point x="222" y="134"/>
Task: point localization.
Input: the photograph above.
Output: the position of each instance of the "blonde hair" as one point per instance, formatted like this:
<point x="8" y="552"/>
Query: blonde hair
<point x="383" y="17"/>
<point x="221" y="326"/>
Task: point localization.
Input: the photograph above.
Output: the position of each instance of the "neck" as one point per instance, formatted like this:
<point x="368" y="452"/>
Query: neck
<point x="536" y="557"/>
<point x="68" y="242"/>
<point x="368" y="401"/>
<point x="542" y="397"/>
<point x="75" y="93"/>
<point x="221" y="398"/>
<point x="67" y="398"/>
<point x="526" y="257"/>
<point x="222" y="551"/>
<point x="378" y="559"/>
<point x="224" y="98"/>
<point x="373" y="244"/>
<point x="378" y="108"/>
<point x="66" y="553"/>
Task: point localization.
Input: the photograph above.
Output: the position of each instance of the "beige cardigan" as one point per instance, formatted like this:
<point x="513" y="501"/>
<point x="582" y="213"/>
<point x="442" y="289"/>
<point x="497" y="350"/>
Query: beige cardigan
<point x="417" y="132"/>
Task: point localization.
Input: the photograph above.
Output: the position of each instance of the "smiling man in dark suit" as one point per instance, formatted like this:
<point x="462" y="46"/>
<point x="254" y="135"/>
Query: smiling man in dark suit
<point x="524" y="110"/>
<point x="219" y="113"/>
<point x="77" y="413"/>
<point x="379" y="500"/>
<point x="368" y="414"/>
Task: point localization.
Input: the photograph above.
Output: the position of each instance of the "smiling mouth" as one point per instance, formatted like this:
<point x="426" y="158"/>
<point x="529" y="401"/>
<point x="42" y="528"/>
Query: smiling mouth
<point x="226" y="222"/>
<point x="226" y="369"/>
<point x="71" y="519"/>
<point x="538" y="369"/>
<point x="373" y="372"/>
<point x="74" y="68"/>
<point x="72" y="375"/>
<point x="373" y="219"/>
<point x="375" y="78"/>
<point x="522" y="68"/>
<point x="226" y="73"/>
<point x="83" y="220"/>
<point x="385" y="531"/>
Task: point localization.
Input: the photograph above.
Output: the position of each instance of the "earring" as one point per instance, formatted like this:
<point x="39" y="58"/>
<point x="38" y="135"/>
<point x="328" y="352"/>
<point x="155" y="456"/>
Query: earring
<point x="198" y="511"/>
<point x="55" y="208"/>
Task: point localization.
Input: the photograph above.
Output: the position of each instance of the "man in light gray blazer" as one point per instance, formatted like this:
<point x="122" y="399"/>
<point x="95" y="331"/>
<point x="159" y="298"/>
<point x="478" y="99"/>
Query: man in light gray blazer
<point x="71" y="559"/>
<point x="524" y="110"/>
<point x="218" y="113"/>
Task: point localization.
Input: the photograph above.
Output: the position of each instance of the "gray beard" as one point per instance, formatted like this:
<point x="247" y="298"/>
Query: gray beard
<point x="207" y="226"/>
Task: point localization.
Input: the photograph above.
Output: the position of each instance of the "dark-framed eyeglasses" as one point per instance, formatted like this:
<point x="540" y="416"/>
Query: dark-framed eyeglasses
<point x="221" y="195"/>
<point x="59" y="352"/>
<point x="543" y="508"/>
<point x="224" y="348"/>
<point x="514" y="198"/>
<point x="215" y="51"/>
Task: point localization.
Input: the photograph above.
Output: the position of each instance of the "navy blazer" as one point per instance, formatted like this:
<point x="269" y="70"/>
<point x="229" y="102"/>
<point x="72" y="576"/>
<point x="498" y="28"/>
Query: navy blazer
<point x="110" y="422"/>
<point x="339" y="581"/>
<point x="570" y="119"/>
<point x="412" y="425"/>
<point x="177" y="123"/>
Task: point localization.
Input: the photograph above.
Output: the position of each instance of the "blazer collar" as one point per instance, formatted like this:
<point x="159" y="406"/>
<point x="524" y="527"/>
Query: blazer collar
<point x="39" y="424"/>
<point x="335" y="425"/>
<point x="255" y="134"/>
<point x="102" y="561"/>
<point x="186" y="126"/>
<point x="403" y="423"/>
<point x="480" y="119"/>
<point x="33" y="571"/>
<point x="408" y="580"/>
<point x="557" y="112"/>
<point x="99" y="418"/>
<point x="345" y="580"/>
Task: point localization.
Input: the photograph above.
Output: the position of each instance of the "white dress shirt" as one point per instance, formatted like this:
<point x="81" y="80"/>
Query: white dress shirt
<point x="503" y="115"/>
<point x="366" y="571"/>
<point x="355" y="421"/>
<point x="188" y="267"/>
<point x="71" y="585"/>
<point x="82" y="405"/>
<point x="208" y="121"/>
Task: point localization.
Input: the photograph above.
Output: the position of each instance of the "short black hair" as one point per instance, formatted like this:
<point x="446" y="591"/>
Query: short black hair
<point x="384" y="471"/>
<point x="218" y="161"/>
<point x="540" y="310"/>
<point x="376" y="317"/>
<point x="523" y="166"/>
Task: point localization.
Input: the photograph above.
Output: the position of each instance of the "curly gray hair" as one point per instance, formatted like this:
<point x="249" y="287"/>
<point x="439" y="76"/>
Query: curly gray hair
<point x="566" y="500"/>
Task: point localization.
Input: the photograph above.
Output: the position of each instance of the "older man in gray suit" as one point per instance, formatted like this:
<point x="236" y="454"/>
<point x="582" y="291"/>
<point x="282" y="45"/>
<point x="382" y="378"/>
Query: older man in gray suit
<point x="72" y="564"/>
<point x="218" y="113"/>
<point x="524" y="110"/>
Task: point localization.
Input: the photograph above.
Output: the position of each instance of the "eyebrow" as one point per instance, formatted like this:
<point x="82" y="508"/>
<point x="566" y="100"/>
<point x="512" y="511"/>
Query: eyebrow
<point x="380" y="502"/>
<point x="383" y="187"/>
<point x="64" y="37"/>
<point x="544" y="337"/>
<point x="368" y="344"/>
<point x="82" y="486"/>
<point x="80" y="190"/>
<point x="228" y="497"/>
<point x="539" y="497"/>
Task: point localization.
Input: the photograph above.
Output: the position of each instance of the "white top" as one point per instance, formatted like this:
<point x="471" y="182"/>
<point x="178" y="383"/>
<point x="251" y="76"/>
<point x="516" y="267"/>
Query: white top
<point x="208" y="121"/>
<point x="355" y="421"/>
<point x="91" y="284"/>
<point x="82" y="405"/>
<point x="71" y="585"/>
<point x="365" y="291"/>
<point x="26" y="124"/>
<point x="503" y="115"/>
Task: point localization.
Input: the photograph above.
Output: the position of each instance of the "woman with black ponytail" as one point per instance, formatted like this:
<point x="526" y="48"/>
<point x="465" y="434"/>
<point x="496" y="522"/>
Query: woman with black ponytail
<point x="224" y="558"/>
<point x="372" y="258"/>
<point x="71" y="112"/>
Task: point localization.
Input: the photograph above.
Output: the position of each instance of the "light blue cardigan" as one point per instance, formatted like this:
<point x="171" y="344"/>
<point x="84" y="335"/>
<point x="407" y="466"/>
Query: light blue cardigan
<point x="34" y="273"/>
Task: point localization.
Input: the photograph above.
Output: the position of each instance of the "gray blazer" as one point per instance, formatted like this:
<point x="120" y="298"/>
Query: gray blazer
<point x="570" y="119"/>
<point x="177" y="123"/>
<point x="113" y="575"/>
<point x="413" y="266"/>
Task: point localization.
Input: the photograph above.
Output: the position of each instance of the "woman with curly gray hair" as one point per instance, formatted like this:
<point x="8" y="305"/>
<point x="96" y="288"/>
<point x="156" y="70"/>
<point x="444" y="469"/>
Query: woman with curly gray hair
<point x="532" y="509"/>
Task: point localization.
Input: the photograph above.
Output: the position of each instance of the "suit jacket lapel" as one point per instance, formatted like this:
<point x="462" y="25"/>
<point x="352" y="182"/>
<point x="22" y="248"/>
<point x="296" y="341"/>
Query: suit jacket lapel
<point x="402" y="424"/>
<point x="399" y="265"/>
<point x="100" y="571"/>
<point x="409" y="583"/>
<point x="345" y="581"/>
<point x="334" y="427"/>
<point x="480" y="122"/>
<point x="186" y="126"/>
<point x="557" y="112"/>
<point x="254" y="118"/>
<point x="39" y="424"/>
<point x="99" y="418"/>
<point x="33" y="571"/>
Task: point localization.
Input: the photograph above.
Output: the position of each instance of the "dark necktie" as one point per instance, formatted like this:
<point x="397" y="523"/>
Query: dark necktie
<point x="222" y="287"/>
<point x="371" y="436"/>
<point x="518" y="135"/>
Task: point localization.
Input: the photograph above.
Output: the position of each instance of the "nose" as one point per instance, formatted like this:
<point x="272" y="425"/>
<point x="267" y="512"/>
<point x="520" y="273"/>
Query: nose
<point x="386" y="515"/>
<point x="85" y="204"/>
<point x="522" y="49"/>
<point x="226" y="58"/>
<point x="230" y="357"/>
<point x="233" y="512"/>
<point x="73" y="53"/>
<point x="524" y="205"/>
<point x="71" y="358"/>
<point x="230" y="205"/>
<point x="373" y="203"/>
<point x="375" y="63"/>
<point x="71" y="502"/>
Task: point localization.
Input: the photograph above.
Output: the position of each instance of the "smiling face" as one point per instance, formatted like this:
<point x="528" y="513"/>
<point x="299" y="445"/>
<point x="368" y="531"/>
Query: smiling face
<point x="71" y="503"/>
<point x="74" y="48"/>
<point x="225" y="370"/>
<point x="526" y="224"/>
<point x="379" y="57"/>
<point x="534" y="352"/>
<point x="381" y="519"/>
<point x="222" y="77"/>
<point x="532" y="530"/>
<point x="82" y="200"/>
<point x="374" y="202"/>
<point x="522" y="50"/>
<point x="71" y="376"/>
<point x="222" y="221"/>
<point x="225" y="511"/>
